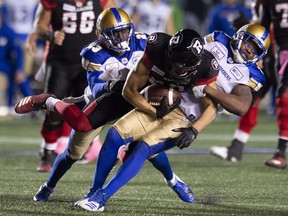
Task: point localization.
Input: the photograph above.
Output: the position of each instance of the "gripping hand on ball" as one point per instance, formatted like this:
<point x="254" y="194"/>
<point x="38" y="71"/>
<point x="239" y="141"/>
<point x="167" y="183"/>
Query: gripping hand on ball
<point x="115" y="86"/>
<point x="187" y="136"/>
<point x="163" y="109"/>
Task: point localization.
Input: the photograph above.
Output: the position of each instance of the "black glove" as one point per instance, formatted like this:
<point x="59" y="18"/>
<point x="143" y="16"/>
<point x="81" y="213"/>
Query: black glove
<point x="163" y="109"/>
<point x="115" y="86"/>
<point x="187" y="136"/>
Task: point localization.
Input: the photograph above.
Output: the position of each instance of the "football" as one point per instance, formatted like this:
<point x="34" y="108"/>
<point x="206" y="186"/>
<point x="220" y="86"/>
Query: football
<point x="154" y="94"/>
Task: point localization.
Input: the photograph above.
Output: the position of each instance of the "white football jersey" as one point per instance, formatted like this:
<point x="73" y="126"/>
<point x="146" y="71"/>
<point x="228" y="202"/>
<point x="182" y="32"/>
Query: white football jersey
<point x="232" y="73"/>
<point x="20" y="15"/>
<point x="153" y="16"/>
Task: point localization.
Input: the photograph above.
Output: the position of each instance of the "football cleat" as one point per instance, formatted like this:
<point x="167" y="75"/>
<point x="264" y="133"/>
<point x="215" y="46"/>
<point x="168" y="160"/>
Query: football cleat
<point x="89" y="194"/>
<point x="47" y="161"/>
<point x="95" y="203"/>
<point x="32" y="103"/>
<point x="183" y="191"/>
<point x="278" y="161"/>
<point x="219" y="151"/>
<point x="43" y="194"/>
<point x="232" y="153"/>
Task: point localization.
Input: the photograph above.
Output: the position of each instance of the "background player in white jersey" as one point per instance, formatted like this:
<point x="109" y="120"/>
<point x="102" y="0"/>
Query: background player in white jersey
<point x="151" y="16"/>
<point x="107" y="62"/>
<point x="179" y="61"/>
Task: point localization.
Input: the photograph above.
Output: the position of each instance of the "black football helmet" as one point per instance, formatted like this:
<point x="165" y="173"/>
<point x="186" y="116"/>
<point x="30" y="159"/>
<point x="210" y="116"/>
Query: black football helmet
<point x="184" y="53"/>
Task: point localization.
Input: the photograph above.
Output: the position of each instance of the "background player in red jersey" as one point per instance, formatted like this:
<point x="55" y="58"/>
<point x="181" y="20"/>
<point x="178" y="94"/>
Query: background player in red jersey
<point x="68" y="25"/>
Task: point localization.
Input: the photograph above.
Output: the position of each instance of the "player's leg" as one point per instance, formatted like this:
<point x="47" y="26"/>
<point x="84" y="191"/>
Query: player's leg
<point x="143" y="126"/>
<point x="105" y="112"/>
<point x="60" y="84"/>
<point x="279" y="159"/>
<point x="77" y="146"/>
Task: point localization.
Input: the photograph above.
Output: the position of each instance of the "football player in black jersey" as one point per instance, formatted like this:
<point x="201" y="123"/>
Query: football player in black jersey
<point x="67" y="25"/>
<point x="178" y="61"/>
<point x="274" y="12"/>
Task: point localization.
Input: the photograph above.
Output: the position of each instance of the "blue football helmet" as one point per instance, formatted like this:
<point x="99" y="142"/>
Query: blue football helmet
<point x="250" y="43"/>
<point x="115" y="29"/>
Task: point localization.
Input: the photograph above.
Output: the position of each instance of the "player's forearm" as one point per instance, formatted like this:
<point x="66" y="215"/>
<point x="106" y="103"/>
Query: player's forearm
<point x="207" y="117"/>
<point x="235" y="104"/>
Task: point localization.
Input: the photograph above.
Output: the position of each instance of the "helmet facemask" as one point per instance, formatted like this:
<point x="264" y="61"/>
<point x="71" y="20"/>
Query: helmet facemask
<point x="247" y="47"/>
<point x="118" y="38"/>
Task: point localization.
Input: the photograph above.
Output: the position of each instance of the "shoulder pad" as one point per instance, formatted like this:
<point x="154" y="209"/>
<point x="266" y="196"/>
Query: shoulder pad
<point x="257" y="78"/>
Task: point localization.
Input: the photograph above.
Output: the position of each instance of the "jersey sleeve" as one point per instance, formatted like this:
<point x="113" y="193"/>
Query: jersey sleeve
<point x="93" y="67"/>
<point x="48" y="4"/>
<point x="208" y="69"/>
<point x="257" y="78"/>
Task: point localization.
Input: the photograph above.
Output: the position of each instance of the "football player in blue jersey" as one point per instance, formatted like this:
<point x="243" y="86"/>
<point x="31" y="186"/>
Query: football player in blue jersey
<point x="153" y="127"/>
<point x="107" y="62"/>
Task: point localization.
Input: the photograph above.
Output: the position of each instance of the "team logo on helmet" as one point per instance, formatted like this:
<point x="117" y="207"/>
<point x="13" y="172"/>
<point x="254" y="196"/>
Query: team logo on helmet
<point x="196" y="47"/>
<point x="152" y="38"/>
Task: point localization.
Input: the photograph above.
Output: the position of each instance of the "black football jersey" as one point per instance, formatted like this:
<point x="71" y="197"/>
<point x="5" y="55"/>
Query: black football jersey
<point x="276" y="13"/>
<point x="154" y="59"/>
<point x="79" y="24"/>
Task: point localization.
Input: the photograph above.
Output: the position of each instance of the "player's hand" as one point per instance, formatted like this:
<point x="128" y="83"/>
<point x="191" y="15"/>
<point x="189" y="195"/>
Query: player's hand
<point x="59" y="37"/>
<point x="163" y="109"/>
<point x="187" y="136"/>
<point x="88" y="96"/>
<point x="115" y="86"/>
<point x="198" y="91"/>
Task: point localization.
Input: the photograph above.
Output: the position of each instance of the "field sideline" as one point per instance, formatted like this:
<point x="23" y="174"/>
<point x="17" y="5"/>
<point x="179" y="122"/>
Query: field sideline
<point x="221" y="188"/>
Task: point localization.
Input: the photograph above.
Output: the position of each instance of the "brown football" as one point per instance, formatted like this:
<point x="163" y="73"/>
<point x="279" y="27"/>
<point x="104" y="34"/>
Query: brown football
<point x="154" y="94"/>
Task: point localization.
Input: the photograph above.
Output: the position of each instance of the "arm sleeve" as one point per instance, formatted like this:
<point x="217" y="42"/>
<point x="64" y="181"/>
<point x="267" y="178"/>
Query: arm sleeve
<point x="97" y="86"/>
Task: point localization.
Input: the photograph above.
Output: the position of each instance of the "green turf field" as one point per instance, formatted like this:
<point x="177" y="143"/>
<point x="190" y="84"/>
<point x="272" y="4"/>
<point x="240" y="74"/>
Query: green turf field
<point x="221" y="188"/>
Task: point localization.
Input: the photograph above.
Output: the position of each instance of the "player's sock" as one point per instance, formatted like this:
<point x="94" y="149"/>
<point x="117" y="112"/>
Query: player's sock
<point x="129" y="169"/>
<point x="61" y="165"/>
<point x="281" y="147"/>
<point x="107" y="157"/>
<point x="161" y="163"/>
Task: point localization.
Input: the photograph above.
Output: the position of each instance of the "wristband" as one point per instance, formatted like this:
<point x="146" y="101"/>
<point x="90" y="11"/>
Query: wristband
<point x="49" y="36"/>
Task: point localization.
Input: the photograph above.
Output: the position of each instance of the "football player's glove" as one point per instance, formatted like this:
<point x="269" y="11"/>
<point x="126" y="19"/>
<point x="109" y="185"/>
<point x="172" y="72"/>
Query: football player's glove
<point x="163" y="109"/>
<point x="88" y="96"/>
<point x="198" y="91"/>
<point x="187" y="136"/>
<point x="115" y="86"/>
